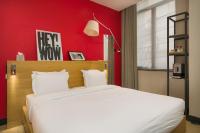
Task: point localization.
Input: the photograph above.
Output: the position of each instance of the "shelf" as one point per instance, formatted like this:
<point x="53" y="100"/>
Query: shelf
<point x="182" y="13"/>
<point x="179" y="37"/>
<point x="180" y="20"/>
<point x="180" y="17"/>
<point x="177" y="54"/>
<point x="185" y="16"/>
<point x="176" y="77"/>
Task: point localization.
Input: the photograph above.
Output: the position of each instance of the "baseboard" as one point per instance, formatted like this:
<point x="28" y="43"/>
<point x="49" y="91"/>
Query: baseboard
<point x="194" y="119"/>
<point x="3" y="121"/>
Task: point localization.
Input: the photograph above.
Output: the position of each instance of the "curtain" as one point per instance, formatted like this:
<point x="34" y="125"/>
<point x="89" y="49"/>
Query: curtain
<point x="129" y="47"/>
<point x="111" y="60"/>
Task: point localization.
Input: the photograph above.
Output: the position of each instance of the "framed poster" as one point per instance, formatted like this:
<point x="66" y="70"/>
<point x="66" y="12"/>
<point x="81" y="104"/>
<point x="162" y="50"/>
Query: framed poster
<point x="76" y="56"/>
<point x="49" y="46"/>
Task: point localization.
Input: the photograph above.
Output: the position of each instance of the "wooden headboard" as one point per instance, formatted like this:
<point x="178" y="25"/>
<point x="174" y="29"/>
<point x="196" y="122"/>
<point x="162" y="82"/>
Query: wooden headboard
<point x="19" y="85"/>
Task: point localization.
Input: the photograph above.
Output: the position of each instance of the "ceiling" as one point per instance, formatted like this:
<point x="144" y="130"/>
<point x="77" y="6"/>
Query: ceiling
<point x="116" y="4"/>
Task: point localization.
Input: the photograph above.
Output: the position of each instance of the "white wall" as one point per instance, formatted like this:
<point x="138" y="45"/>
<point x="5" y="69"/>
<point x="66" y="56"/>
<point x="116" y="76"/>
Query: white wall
<point x="152" y="81"/>
<point x="156" y="82"/>
<point x="194" y="57"/>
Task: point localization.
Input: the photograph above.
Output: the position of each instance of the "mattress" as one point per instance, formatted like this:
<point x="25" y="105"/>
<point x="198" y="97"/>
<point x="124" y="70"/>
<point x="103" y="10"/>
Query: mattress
<point x="104" y="109"/>
<point x="30" y="98"/>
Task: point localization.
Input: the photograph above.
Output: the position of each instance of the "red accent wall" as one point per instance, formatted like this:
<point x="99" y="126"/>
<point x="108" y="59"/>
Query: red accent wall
<point x="19" y="20"/>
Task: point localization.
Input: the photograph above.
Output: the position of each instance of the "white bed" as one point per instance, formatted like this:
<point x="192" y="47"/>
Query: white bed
<point x="104" y="109"/>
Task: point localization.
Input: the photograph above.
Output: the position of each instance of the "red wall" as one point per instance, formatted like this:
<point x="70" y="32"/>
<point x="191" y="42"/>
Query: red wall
<point x="20" y="18"/>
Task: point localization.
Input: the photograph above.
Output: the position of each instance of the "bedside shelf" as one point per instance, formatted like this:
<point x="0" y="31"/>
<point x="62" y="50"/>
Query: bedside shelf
<point x="177" y="54"/>
<point x="179" y="37"/>
<point x="176" y="77"/>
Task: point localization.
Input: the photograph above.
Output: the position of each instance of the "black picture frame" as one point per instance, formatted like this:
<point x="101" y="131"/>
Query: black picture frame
<point x="76" y="56"/>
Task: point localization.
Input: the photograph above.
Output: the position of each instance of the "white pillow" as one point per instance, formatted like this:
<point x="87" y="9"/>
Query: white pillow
<point x="48" y="82"/>
<point x="94" y="78"/>
<point x="35" y="73"/>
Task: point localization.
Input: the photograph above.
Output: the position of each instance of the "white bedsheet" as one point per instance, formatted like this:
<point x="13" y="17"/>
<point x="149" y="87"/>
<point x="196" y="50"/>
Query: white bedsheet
<point x="105" y="109"/>
<point x="30" y="97"/>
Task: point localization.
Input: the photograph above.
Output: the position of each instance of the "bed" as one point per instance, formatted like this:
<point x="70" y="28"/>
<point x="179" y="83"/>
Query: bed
<point x="107" y="109"/>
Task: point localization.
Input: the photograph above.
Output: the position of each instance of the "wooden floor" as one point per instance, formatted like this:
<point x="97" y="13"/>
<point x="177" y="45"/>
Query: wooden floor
<point x="18" y="129"/>
<point x="191" y="128"/>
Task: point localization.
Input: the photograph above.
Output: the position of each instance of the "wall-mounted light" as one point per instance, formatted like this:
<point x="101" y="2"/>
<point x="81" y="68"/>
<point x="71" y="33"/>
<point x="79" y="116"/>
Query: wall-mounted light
<point x="13" y="69"/>
<point x="92" y="29"/>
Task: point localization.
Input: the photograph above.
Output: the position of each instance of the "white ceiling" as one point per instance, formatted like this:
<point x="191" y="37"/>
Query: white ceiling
<point x="116" y="4"/>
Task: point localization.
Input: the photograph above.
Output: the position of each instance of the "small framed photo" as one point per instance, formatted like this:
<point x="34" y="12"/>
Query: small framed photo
<point x="76" y="56"/>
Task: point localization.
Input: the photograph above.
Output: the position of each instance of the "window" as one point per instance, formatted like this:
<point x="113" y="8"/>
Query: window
<point x="105" y="47"/>
<point x="152" y="33"/>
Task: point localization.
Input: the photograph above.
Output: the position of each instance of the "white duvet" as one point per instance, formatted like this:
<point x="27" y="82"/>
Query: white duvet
<point x="105" y="109"/>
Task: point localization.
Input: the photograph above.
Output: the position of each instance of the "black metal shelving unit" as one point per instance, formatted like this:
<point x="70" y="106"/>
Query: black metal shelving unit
<point x="175" y="19"/>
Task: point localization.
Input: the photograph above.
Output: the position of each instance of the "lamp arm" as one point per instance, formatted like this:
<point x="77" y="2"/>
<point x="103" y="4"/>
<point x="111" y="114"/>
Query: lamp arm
<point x="108" y="30"/>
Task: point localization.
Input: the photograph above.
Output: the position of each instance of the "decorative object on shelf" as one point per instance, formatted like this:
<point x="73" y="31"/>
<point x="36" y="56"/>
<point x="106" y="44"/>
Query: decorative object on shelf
<point x="49" y="45"/>
<point x="180" y="49"/>
<point x="20" y="57"/>
<point x="92" y="29"/>
<point x="178" y="70"/>
<point x="76" y="56"/>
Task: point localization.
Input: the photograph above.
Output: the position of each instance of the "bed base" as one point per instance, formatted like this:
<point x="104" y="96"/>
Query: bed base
<point x="26" y="123"/>
<point x="181" y="128"/>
